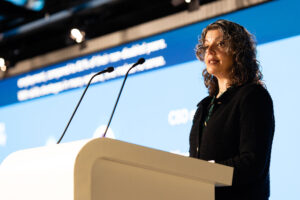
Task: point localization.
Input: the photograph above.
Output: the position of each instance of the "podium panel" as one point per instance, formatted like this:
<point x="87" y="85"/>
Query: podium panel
<point x="107" y="169"/>
<point x="125" y="181"/>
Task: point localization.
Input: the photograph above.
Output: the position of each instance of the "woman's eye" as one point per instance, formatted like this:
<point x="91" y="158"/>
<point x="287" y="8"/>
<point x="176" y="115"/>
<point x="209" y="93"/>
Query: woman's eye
<point x="221" y="44"/>
<point x="205" y="47"/>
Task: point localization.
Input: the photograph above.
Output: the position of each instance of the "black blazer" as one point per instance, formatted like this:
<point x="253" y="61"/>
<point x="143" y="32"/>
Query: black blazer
<point x="239" y="133"/>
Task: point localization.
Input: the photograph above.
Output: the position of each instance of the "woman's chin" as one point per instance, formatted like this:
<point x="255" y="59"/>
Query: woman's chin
<point x="211" y="70"/>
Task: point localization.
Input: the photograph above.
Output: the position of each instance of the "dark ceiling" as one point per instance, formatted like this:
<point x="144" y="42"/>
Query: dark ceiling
<point x="25" y="32"/>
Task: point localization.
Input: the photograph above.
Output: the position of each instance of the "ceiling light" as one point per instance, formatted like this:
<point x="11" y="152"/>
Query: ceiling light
<point x="3" y="68"/>
<point x="77" y="35"/>
<point x="2" y="65"/>
<point x="187" y="1"/>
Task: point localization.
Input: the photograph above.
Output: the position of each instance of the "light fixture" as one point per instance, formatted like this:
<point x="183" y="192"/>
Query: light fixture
<point x="176" y="3"/>
<point x="2" y="65"/>
<point x="77" y="35"/>
<point x="191" y="4"/>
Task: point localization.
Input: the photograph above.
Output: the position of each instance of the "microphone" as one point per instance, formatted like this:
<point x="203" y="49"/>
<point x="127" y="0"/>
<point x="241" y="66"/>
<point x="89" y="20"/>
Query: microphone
<point x="109" y="69"/>
<point x="139" y="62"/>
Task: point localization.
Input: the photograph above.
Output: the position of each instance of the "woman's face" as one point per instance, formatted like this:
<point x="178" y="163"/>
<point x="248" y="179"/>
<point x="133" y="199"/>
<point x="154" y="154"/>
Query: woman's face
<point x="217" y="58"/>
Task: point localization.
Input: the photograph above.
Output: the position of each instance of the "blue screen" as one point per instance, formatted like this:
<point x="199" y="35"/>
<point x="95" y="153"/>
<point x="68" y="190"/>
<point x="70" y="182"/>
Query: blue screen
<point x="160" y="97"/>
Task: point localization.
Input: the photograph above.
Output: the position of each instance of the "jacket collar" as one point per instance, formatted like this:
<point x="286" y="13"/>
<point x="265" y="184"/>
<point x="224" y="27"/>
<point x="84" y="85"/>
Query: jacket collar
<point x="228" y="94"/>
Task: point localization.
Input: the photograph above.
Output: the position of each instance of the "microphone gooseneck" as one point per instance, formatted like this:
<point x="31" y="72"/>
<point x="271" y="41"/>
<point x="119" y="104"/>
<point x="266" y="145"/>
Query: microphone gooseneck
<point x="109" y="69"/>
<point x="139" y="62"/>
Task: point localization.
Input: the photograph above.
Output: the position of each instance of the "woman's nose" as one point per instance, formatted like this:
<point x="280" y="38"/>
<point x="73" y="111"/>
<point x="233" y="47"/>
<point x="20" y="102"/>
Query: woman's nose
<point x="210" y="50"/>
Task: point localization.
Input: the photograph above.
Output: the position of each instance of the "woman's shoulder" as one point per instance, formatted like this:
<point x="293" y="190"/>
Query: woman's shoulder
<point x="253" y="88"/>
<point x="253" y="92"/>
<point x="204" y="101"/>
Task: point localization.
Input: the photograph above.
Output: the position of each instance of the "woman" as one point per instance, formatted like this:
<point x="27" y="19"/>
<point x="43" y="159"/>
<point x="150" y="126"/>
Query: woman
<point x="234" y="125"/>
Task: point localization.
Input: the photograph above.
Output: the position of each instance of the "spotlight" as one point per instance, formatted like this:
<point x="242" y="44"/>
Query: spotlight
<point x="176" y="3"/>
<point x="77" y="35"/>
<point x="191" y="4"/>
<point x="2" y="65"/>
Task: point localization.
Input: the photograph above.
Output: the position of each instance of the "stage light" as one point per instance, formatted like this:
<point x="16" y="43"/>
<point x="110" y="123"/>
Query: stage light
<point x="77" y="35"/>
<point x="2" y="65"/>
<point x="191" y="4"/>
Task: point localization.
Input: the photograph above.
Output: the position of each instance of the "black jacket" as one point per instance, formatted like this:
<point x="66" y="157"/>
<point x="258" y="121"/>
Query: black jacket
<point x="239" y="133"/>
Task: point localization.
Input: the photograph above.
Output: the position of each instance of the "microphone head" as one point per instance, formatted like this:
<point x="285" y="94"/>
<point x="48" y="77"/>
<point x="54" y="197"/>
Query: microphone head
<point x="141" y="61"/>
<point x="110" y="69"/>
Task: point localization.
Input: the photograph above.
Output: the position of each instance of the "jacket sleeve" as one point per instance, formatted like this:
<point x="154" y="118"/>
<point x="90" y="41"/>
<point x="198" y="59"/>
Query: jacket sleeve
<point x="256" y="136"/>
<point x="194" y="134"/>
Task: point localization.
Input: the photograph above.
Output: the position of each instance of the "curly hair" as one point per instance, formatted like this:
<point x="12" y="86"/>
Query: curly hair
<point x="243" y="48"/>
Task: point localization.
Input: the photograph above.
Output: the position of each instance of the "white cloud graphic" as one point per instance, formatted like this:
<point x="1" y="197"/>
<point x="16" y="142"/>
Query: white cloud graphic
<point x="3" y="136"/>
<point x="50" y="141"/>
<point x="180" y="153"/>
<point x="100" y="131"/>
<point x="180" y="116"/>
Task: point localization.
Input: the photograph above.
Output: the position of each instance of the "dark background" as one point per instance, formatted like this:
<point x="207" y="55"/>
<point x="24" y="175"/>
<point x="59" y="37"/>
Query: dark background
<point x="25" y="32"/>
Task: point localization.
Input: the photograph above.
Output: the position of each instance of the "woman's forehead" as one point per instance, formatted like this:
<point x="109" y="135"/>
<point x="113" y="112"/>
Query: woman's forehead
<point x="213" y="35"/>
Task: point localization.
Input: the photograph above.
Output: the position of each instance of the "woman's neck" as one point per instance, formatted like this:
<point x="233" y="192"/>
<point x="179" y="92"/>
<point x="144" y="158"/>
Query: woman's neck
<point x="223" y="85"/>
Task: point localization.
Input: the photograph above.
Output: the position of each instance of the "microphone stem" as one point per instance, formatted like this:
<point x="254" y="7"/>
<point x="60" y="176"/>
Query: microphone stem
<point x="112" y="114"/>
<point x="77" y="106"/>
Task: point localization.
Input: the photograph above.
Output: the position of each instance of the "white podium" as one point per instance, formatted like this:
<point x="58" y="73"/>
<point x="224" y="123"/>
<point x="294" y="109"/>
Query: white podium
<point x="106" y="169"/>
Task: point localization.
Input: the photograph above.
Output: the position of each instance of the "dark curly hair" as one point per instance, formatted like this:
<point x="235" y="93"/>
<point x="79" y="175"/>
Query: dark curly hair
<point x="243" y="48"/>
